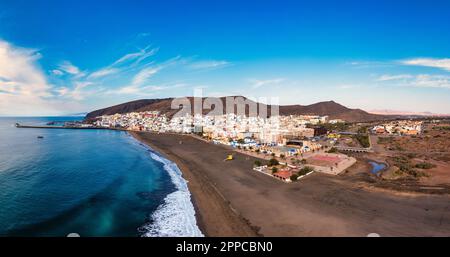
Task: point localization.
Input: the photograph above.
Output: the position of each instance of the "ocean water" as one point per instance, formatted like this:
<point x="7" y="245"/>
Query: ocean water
<point x="90" y="182"/>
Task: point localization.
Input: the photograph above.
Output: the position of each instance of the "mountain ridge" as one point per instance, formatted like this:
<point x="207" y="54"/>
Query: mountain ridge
<point x="330" y="108"/>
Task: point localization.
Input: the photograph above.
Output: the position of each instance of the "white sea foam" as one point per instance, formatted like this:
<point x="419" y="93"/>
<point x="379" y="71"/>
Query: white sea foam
<point x="176" y="216"/>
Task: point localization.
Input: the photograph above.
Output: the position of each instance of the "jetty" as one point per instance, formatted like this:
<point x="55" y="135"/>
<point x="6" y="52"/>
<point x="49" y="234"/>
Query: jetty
<point x="56" y="127"/>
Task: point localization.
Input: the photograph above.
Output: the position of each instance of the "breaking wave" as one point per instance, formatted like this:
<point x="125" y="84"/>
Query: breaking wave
<point x="176" y="216"/>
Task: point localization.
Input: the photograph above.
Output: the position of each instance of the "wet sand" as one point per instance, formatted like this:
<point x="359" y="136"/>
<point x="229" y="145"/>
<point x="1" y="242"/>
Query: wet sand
<point x="233" y="200"/>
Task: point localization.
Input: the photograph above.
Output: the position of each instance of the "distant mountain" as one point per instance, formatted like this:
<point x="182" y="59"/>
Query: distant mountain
<point x="330" y="108"/>
<point x="406" y="113"/>
<point x="80" y="114"/>
<point x="333" y="110"/>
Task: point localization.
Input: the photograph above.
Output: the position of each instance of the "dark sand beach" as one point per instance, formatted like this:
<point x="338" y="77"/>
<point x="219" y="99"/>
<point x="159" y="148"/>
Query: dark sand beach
<point x="233" y="200"/>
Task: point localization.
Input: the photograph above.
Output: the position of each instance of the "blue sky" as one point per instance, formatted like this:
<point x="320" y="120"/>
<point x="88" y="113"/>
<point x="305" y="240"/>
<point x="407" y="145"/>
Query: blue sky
<point x="59" y="57"/>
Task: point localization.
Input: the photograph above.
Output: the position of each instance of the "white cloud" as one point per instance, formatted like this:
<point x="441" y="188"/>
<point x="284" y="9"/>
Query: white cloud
<point x="394" y="77"/>
<point x="144" y="90"/>
<point x="369" y="64"/>
<point x="23" y="85"/>
<point x="127" y="90"/>
<point x="143" y="75"/>
<point x="432" y="81"/>
<point x="78" y="92"/>
<point x="103" y="72"/>
<point x="443" y="63"/>
<point x="268" y="82"/>
<point x="422" y="80"/>
<point x="137" y="57"/>
<point x="57" y="72"/>
<point x="68" y="67"/>
<point x="125" y="63"/>
<point x="208" y="64"/>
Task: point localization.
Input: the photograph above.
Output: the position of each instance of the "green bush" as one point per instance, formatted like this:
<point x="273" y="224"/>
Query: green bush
<point x="404" y="165"/>
<point x="340" y="126"/>
<point x="333" y="150"/>
<point x="442" y="128"/>
<point x="305" y="171"/>
<point x="362" y="130"/>
<point x="273" y="162"/>
<point x="363" y="140"/>
<point x="274" y="170"/>
<point x="257" y="163"/>
<point x="425" y="165"/>
<point x="294" y="177"/>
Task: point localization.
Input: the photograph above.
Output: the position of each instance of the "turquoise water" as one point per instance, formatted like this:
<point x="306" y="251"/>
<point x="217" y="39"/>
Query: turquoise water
<point x="90" y="182"/>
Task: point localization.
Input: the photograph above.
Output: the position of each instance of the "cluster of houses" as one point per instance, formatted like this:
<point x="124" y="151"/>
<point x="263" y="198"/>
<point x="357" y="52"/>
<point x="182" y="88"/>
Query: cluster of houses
<point x="280" y="136"/>
<point x="404" y="127"/>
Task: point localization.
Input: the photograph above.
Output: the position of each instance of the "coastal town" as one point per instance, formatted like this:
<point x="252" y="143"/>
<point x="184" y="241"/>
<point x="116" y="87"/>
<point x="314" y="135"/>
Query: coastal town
<point x="289" y="147"/>
<point x="250" y="122"/>
<point x="293" y="146"/>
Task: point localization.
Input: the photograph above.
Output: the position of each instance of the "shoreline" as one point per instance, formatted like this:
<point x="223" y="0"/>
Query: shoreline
<point x="166" y="156"/>
<point x="209" y="221"/>
<point x="230" y="199"/>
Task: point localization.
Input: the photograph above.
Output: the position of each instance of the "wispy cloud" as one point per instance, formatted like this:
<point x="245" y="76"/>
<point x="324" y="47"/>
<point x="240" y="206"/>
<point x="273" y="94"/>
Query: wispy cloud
<point x="57" y="72"/>
<point x="143" y="75"/>
<point x="394" y="77"/>
<point x="432" y="81"/>
<point x="78" y="92"/>
<point x="139" y="84"/>
<point x="369" y="64"/>
<point x="148" y="90"/>
<point x="103" y="72"/>
<point x="209" y="64"/>
<point x="136" y="57"/>
<point x="125" y="63"/>
<point x="84" y="84"/>
<point x="68" y="67"/>
<point x="268" y="82"/>
<point x="136" y="87"/>
<point x="443" y="63"/>
<point x="24" y="89"/>
<point x="27" y="90"/>
<point x="422" y="80"/>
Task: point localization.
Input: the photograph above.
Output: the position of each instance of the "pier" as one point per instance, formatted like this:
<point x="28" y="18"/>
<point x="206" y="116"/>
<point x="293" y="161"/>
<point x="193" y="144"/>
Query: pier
<point x="54" y="127"/>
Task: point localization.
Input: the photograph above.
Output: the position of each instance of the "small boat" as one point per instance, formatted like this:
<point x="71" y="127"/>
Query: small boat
<point x="40" y="137"/>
